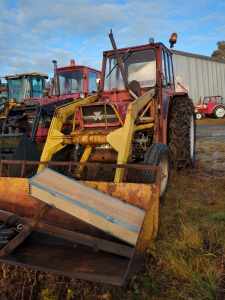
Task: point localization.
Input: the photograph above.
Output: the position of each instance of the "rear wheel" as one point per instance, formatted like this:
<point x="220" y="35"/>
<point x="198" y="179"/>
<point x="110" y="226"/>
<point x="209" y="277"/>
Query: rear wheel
<point x="219" y="112"/>
<point x="158" y="154"/>
<point x="182" y="133"/>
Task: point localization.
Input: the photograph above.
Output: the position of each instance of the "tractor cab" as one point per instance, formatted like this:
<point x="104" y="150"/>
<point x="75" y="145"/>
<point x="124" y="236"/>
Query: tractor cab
<point x="131" y="72"/>
<point x="26" y="85"/>
<point x="74" y="81"/>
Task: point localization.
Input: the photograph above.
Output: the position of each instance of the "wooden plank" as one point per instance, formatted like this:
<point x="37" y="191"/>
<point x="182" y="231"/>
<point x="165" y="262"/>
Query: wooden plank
<point x="84" y="213"/>
<point x="96" y="208"/>
<point x="51" y="180"/>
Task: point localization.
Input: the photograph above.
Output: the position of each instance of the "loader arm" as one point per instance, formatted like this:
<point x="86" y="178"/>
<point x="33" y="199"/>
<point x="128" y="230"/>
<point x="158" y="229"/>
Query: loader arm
<point x="54" y="140"/>
<point x="120" y="139"/>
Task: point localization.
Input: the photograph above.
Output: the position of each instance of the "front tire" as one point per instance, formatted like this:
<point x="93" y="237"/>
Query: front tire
<point x="158" y="154"/>
<point x="182" y="133"/>
<point x="198" y="116"/>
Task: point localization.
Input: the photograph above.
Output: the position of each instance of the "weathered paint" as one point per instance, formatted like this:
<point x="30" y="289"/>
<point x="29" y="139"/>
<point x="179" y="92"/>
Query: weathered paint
<point x="75" y="261"/>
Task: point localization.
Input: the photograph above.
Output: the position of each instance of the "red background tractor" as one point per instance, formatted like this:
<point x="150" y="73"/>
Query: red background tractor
<point x="212" y="106"/>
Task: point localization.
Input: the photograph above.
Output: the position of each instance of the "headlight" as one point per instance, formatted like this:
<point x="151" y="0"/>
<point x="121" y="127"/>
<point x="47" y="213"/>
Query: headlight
<point x="82" y="95"/>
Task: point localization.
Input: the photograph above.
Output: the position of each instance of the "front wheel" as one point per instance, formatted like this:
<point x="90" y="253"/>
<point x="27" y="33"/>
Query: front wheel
<point x="198" y="116"/>
<point x="158" y="154"/>
<point x="219" y="112"/>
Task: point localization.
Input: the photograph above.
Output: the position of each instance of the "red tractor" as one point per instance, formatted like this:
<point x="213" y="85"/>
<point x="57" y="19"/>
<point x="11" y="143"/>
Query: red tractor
<point x="28" y="121"/>
<point x="212" y="106"/>
<point x="136" y="117"/>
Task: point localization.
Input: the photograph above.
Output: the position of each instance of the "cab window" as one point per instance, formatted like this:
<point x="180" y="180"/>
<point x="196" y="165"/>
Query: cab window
<point x="92" y="87"/>
<point x="167" y="70"/>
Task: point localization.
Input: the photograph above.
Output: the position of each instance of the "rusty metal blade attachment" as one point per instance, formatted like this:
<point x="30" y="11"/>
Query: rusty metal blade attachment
<point x="96" y="230"/>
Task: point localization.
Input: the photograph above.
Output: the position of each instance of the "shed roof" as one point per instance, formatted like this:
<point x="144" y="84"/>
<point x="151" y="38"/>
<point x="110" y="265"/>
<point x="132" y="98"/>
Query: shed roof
<point x="209" y="58"/>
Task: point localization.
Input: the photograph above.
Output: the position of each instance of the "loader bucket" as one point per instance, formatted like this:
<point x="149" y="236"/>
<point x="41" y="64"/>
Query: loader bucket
<point x="93" y="229"/>
<point x="18" y="147"/>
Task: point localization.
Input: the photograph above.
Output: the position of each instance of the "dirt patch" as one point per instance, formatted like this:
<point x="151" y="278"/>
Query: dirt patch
<point x="210" y="146"/>
<point x="210" y="128"/>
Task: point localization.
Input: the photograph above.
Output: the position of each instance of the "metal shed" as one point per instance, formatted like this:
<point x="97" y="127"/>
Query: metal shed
<point x="204" y="75"/>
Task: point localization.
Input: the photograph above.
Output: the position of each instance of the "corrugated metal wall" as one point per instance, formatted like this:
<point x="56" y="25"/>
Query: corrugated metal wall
<point x="204" y="75"/>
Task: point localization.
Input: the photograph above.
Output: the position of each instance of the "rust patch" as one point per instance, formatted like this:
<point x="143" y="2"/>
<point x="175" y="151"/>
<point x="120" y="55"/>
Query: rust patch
<point x="133" y="193"/>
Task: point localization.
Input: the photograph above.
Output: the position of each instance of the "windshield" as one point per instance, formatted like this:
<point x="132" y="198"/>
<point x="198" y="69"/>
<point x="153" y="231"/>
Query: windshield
<point x="139" y="65"/>
<point x="16" y="88"/>
<point x="71" y="82"/>
<point x="37" y="84"/>
<point x="25" y="87"/>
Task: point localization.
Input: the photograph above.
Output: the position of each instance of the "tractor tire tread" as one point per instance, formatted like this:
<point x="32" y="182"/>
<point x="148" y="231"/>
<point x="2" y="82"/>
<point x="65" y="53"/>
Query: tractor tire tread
<point x="179" y="132"/>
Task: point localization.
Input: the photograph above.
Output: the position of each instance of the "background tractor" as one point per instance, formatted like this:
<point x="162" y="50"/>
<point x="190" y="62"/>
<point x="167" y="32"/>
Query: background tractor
<point x="27" y="115"/>
<point x="211" y="106"/>
<point x="18" y="87"/>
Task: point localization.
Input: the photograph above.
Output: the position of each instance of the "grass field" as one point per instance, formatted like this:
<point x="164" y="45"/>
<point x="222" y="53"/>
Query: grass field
<point x="187" y="261"/>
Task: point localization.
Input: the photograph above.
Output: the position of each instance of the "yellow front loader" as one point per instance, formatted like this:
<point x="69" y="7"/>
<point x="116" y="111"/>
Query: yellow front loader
<point x="89" y="209"/>
<point x="91" y="221"/>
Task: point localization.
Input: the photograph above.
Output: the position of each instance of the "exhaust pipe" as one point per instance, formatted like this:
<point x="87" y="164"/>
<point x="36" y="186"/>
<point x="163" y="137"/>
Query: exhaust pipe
<point x="128" y="87"/>
<point x="56" y="79"/>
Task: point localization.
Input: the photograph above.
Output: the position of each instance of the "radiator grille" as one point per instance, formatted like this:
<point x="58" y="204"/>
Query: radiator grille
<point x="99" y="114"/>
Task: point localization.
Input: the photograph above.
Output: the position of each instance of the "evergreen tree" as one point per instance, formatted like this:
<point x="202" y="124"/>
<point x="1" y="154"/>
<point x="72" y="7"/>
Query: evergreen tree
<point x="220" y="53"/>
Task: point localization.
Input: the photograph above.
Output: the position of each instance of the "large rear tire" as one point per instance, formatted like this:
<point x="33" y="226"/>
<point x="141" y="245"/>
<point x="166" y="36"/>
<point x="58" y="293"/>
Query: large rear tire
<point x="158" y="154"/>
<point x="219" y="112"/>
<point x="182" y="133"/>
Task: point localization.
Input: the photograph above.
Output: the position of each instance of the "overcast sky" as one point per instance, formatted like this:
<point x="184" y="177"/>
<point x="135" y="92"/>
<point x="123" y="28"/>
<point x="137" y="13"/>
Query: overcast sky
<point x="33" y="33"/>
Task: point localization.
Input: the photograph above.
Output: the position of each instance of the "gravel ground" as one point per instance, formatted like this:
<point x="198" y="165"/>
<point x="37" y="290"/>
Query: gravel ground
<point x="210" y="127"/>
